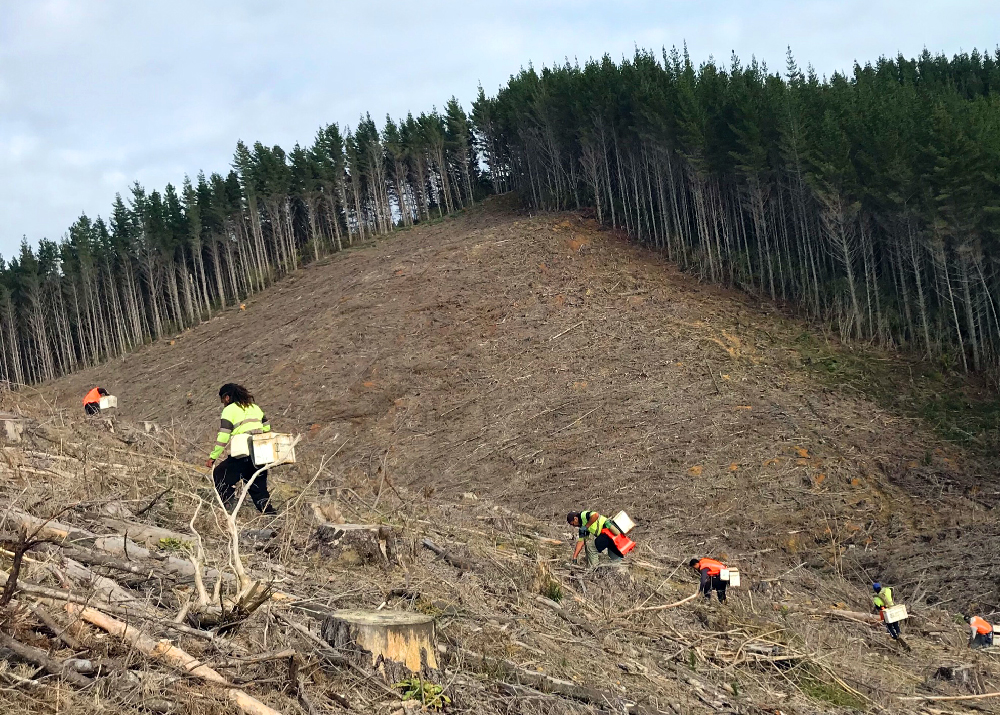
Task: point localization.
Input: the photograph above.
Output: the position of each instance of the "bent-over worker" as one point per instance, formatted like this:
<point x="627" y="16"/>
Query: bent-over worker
<point x="982" y="632"/>
<point x="92" y="400"/>
<point x="883" y="600"/>
<point x="593" y="536"/>
<point x="711" y="577"/>
<point x="240" y="415"/>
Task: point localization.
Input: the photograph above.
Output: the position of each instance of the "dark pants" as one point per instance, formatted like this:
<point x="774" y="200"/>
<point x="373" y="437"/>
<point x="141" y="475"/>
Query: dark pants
<point x="983" y="640"/>
<point x="92" y="408"/>
<point x="893" y="629"/>
<point x="603" y="542"/>
<point x="234" y="470"/>
<point x="716" y="584"/>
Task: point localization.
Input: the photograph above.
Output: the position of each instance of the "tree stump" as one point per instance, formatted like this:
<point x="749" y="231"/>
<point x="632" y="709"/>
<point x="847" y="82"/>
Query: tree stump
<point x="13" y="427"/>
<point x="356" y="544"/>
<point x="962" y="675"/>
<point x="398" y="642"/>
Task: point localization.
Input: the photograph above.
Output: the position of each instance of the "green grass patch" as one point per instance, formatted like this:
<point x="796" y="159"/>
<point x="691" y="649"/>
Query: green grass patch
<point x="815" y="688"/>
<point x="960" y="408"/>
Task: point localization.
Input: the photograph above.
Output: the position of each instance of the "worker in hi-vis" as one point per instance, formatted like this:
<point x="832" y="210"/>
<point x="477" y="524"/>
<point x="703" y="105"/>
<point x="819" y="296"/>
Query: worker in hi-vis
<point x="92" y="401"/>
<point x="592" y="537"/>
<point x="883" y="600"/>
<point x="711" y="577"/>
<point x="982" y="632"/>
<point x="240" y="415"/>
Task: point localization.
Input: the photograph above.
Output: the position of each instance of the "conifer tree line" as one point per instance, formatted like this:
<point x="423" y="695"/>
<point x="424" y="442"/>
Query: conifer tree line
<point x="870" y="201"/>
<point x="165" y="260"/>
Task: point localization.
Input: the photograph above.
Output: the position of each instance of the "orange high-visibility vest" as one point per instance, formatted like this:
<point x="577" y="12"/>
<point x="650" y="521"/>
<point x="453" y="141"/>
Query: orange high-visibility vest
<point x="714" y="567"/>
<point x="981" y="625"/>
<point x="92" y="396"/>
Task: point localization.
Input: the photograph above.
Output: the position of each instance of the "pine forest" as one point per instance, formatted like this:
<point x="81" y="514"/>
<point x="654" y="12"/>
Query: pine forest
<point x="868" y="202"/>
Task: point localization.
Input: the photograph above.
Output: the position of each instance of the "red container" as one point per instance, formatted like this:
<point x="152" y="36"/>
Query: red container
<point x="622" y="542"/>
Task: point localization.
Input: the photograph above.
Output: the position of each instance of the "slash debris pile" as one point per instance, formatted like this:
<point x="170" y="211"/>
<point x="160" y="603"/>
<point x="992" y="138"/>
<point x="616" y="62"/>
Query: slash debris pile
<point x="127" y="588"/>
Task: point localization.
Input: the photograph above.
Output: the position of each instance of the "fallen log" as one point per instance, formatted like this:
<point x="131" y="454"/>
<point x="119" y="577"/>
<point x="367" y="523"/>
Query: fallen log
<point x="59" y="598"/>
<point x="38" y="657"/>
<point x="855" y="616"/>
<point x="170" y="654"/>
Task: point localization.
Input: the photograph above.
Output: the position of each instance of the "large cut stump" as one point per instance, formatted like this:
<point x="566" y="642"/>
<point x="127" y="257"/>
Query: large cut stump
<point x="13" y="427"/>
<point x="398" y="642"/>
<point x="356" y="544"/>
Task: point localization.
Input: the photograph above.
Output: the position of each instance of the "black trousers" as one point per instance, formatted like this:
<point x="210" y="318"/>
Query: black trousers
<point x="893" y="629"/>
<point x="983" y="640"/>
<point x="716" y="584"/>
<point x="234" y="470"/>
<point x="92" y="408"/>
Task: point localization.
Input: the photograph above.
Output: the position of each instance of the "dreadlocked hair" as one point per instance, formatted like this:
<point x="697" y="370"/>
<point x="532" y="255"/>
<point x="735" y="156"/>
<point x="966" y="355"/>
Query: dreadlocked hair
<point x="237" y="394"/>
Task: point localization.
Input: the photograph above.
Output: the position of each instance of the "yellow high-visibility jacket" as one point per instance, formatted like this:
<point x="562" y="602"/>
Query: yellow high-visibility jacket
<point x="239" y="420"/>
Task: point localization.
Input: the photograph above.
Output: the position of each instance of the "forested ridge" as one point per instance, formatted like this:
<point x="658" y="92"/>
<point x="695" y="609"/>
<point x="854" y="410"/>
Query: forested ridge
<point x="870" y="201"/>
<point x="165" y="260"/>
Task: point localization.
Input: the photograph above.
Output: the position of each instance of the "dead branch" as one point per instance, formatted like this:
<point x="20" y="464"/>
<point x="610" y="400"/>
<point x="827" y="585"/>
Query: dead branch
<point x="537" y="680"/>
<point x="153" y="501"/>
<point x="261" y="658"/>
<point x="648" y="609"/>
<point x="39" y="658"/>
<point x="952" y="697"/>
<point x="459" y="563"/>
<point x="566" y="616"/>
<point x="236" y="561"/>
<point x="58" y="630"/>
<point x="170" y="654"/>
<point x="855" y="616"/>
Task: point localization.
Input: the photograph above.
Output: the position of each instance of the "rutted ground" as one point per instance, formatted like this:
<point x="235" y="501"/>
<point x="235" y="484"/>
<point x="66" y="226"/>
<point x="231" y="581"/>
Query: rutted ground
<point x="544" y="365"/>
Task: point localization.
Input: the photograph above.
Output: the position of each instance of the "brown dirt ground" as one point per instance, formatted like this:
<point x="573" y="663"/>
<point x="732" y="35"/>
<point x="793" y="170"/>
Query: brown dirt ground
<point x="546" y="365"/>
<point x="554" y="366"/>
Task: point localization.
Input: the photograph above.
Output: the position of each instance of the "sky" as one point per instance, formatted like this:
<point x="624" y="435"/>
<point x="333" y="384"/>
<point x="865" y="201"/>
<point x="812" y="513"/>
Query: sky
<point x="96" y="94"/>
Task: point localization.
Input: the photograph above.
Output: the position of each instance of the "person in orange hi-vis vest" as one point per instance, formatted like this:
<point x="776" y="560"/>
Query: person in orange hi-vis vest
<point x="92" y="400"/>
<point x="982" y="632"/>
<point x="711" y="577"/>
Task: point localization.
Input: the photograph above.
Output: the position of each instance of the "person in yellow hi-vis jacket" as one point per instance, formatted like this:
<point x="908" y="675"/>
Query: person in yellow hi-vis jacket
<point x="240" y="415"/>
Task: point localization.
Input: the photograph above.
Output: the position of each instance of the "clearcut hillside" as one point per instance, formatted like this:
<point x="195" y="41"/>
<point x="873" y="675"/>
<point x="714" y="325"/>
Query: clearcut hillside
<point x="539" y="364"/>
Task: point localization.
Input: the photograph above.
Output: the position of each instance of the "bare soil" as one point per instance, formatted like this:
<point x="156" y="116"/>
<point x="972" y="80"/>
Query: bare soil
<point x="500" y="369"/>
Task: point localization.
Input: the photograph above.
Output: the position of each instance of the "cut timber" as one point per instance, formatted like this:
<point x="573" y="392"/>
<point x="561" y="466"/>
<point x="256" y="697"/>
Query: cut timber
<point x="356" y="544"/>
<point x="397" y="640"/>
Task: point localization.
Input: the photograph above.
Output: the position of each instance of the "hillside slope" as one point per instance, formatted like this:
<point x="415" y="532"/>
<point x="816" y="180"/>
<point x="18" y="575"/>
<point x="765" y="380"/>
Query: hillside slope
<point x="543" y="366"/>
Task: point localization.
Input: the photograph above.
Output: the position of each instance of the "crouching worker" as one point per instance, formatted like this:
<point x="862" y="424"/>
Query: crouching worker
<point x="982" y="632"/>
<point x="711" y="577"/>
<point x="596" y="534"/>
<point x="883" y="600"/>
<point x="92" y="401"/>
<point x="240" y="415"/>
